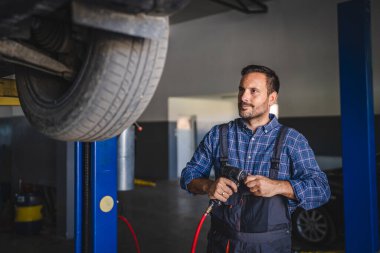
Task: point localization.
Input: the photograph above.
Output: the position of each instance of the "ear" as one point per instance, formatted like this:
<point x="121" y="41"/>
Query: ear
<point x="273" y="98"/>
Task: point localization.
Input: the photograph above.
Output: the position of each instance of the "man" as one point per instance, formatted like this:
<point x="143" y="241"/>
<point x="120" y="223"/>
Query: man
<point x="255" y="217"/>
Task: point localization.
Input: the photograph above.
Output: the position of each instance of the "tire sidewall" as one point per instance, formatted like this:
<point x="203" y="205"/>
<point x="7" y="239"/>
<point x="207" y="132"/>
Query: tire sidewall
<point x="44" y="115"/>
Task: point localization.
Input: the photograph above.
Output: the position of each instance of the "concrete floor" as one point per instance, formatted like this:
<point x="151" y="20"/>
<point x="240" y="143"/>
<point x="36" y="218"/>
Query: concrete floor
<point x="163" y="217"/>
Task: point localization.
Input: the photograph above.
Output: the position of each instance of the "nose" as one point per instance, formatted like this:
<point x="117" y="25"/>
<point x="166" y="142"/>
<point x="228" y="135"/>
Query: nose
<point x="244" y="96"/>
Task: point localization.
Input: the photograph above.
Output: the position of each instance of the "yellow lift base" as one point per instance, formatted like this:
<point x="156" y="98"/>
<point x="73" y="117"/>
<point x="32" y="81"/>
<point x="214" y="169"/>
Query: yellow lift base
<point x="141" y="182"/>
<point x="8" y="92"/>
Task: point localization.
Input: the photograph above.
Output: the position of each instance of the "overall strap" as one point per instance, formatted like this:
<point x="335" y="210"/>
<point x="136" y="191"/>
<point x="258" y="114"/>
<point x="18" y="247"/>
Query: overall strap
<point x="223" y="140"/>
<point x="275" y="160"/>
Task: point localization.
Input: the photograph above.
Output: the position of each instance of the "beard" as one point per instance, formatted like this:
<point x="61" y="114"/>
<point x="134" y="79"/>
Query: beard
<point x="249" y="111"/>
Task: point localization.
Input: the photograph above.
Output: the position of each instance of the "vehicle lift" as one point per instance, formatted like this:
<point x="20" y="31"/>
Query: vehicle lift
<point x="96" y="196"/>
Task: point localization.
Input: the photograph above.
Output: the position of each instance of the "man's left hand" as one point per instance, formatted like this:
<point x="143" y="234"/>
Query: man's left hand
<point x="261" y="186"/>
<point x="266" y="187"/>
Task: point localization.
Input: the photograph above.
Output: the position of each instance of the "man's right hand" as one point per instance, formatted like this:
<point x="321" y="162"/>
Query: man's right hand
<point x="221" y="189"/>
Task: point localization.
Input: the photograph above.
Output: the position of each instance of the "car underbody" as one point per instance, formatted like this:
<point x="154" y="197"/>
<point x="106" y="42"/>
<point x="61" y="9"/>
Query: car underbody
<point x="85" y="70"/>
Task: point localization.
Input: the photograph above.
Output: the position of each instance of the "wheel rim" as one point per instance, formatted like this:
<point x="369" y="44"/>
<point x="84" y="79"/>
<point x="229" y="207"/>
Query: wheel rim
<point x="312" y="225"/>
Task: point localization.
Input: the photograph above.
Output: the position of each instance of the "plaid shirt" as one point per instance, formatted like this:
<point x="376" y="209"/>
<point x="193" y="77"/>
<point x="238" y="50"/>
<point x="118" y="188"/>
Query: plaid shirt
<point x="252" y="152"/>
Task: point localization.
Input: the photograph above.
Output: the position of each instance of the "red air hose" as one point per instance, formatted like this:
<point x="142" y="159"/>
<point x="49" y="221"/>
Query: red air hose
<point x="132" y="232"/>
<point x="195" y="241"/>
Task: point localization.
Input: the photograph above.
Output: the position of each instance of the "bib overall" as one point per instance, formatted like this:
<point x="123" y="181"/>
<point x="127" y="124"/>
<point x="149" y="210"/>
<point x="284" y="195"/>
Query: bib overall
<point x="250" y="224"/>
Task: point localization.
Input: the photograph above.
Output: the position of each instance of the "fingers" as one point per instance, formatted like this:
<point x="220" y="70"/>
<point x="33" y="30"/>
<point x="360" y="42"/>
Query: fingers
<point x="226" y="190"/>
<point x="253" y="182"/>
<point x="255" y="190"/>
<point x="227" y="186"/>
<point x="219" y="195"/>
<point x="262" y="186"/>
<point x="252" y="178"/>
<point x="231" y="185"/>
<point x="223" y="196"/>
<point x="222" y="189"/>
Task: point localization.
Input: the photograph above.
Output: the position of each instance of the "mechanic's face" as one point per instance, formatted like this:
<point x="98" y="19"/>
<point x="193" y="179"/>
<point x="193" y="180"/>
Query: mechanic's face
<point x="253" y="98"/>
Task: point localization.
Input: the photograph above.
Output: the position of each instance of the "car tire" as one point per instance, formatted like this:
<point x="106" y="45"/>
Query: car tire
<point x="314" y="226"/>
<point x="116" y="81"/>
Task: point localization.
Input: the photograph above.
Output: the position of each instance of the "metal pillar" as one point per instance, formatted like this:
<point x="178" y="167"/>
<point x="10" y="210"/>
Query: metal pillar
<point x="78" y="197"/>
<point x="126" y="159"/>
<point x="103" y="196"/>
<point x="359" y="172"/>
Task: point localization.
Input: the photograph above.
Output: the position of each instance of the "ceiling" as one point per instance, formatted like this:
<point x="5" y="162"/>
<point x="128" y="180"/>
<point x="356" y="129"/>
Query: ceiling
<point x="198" y="9"/>
<point x="202" y="8"/>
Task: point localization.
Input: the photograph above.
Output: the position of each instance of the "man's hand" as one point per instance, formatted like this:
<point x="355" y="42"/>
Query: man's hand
<point x="266" y="187"/>
<point x="222" y="189"/>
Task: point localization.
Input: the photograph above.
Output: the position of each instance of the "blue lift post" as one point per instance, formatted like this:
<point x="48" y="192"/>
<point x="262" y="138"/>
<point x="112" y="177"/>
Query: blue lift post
<point x="103" y="161"/>
<point x="78" y="197"/>
<point x="359" y="172"/>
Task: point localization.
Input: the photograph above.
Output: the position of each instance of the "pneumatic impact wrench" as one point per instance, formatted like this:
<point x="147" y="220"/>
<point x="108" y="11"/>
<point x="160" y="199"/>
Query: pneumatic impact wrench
<point x="234" y="174"/>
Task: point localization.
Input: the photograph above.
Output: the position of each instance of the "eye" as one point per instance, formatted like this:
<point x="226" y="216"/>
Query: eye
<point x="253" y="91"/>
<point x="241" y="90"/>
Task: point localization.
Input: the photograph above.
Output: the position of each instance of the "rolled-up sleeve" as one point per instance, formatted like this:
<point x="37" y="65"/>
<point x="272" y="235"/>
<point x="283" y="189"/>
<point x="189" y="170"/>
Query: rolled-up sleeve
<point x="201" y="163"/>
<point x="309" y="183"/>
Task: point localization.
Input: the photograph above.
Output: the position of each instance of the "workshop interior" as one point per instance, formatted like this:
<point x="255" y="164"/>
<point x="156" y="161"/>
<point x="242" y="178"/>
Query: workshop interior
<point x="103" y="103"/>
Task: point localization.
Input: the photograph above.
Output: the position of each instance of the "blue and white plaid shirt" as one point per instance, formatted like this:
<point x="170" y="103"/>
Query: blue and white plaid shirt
<point x="252" y="152"/>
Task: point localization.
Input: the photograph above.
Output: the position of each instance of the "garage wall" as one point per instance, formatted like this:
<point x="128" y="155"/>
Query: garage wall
<point x="297" y="38"/>
<point x="27" y="154"/>
<point x="207" y="111"/>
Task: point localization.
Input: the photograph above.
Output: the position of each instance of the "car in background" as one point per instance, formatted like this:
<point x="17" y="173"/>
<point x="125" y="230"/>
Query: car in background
<point x="84" y="70"/>
<point x="322" y="226"/>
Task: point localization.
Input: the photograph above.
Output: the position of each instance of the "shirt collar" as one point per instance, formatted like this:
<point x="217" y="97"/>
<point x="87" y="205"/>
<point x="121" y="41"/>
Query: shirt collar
<point x="273" y="123"/>
<point x="243" y="126"/>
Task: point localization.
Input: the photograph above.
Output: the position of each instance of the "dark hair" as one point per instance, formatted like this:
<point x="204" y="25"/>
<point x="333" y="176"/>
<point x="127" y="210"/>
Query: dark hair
<point x="273" y="83"/>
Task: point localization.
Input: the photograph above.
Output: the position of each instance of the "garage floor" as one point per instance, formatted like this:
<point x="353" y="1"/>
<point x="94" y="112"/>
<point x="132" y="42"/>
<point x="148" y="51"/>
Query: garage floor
<point x="163" y="217"/>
